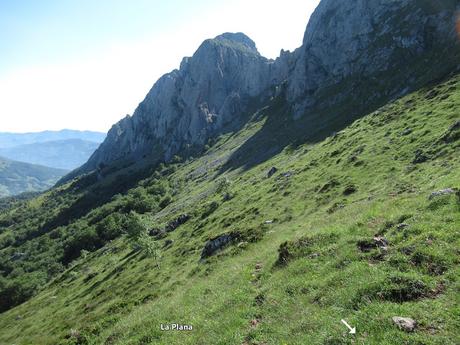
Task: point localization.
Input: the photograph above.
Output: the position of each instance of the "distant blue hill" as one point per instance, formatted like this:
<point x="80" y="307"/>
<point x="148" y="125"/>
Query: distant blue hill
<point x="16" y="139"/>
<point x="19" y="177"/>
<point x="65" y="154"/>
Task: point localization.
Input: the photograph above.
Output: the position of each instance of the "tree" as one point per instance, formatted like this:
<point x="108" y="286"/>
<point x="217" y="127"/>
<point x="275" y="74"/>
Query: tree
<point x="134" y="226"/>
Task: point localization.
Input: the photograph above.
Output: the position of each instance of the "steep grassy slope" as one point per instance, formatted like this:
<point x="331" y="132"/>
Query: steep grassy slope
<point x="346" y="228"/>
<point x="18" y="177"/>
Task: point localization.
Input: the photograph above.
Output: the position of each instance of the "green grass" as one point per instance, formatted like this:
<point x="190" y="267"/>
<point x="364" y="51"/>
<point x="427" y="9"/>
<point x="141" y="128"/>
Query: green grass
<point x="340" y="193"/>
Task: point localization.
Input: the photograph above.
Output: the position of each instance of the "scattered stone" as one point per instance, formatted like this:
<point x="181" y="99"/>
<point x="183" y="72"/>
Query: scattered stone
<point x="258" y="266"/>
<point x="227" y="197"/>
<point x="157" y="233"/>
<point x="420" y="157"/>
<point x="216" y="244"/>
<point x="337" y="206"/>
<point x="288" y="174"/>
<point x="407" y="131"/>
<point x="268" y="222"/>
<point x="17" y="256"/>
<point x="75" y="334"/>
<point x="442" y="192"/>
<point x="255" y="323"/>
<point x="377" y="242"/>
<point x="174" y="224"/>
<point x="168" y="243"/>
<point x="405" y="323"/>
<point x="242" y="245"/>
<point x="272" y="172"/>
<point x="381" y="242"/>
<point x="452" y="134"/>
<point x="402" y="226"/>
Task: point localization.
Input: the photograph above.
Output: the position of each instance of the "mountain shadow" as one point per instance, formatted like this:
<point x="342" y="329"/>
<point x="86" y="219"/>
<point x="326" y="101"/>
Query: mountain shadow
<point x="335" y="108"/>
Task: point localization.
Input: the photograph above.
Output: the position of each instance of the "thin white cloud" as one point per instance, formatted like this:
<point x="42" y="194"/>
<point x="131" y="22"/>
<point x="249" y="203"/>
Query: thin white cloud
<point x="94" y="92"/>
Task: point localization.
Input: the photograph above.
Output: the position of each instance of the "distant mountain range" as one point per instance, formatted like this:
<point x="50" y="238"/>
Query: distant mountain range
<point x="31" y="162"/>
<point x="16" y="139"/>
<point x="62" y="154"/>
<point x="19" y="177"/>
<point x="65" y="149"/>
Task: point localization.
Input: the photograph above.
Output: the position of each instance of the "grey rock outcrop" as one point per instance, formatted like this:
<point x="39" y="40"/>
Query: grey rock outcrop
<point x="216" y="244"/>
<point x="443" y="192"/>
<point x="187" y="106"/>
<point x="361" y="38"/>
<point x="384" y="47"/>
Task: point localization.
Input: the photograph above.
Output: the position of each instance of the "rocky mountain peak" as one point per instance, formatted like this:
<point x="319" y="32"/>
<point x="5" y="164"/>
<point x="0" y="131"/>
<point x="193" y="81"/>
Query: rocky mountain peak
<point x="237" y="40"/>
<point x="361" y="38"/>
<point x="379" y="49"/>
<point x="184" y="108"/>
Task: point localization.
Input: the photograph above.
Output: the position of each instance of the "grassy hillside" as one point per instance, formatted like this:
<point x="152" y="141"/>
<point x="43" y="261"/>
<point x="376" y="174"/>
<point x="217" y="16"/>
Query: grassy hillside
<point x="18" y="177"/>
<point x="61" y="154"/>
<point x="346" y="227"/>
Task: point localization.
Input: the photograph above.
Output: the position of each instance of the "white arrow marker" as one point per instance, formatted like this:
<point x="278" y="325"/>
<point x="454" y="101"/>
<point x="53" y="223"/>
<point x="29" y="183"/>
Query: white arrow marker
<point x="352" y="329"/>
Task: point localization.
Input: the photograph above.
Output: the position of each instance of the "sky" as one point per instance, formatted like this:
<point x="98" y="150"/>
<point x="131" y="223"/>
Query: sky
<point x="85" y="64"/>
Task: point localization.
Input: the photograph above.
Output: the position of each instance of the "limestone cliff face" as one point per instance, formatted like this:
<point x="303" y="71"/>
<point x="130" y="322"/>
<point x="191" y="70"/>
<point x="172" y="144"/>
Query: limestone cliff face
<point x="359" y="39"/>
<point x="187" y="106"/>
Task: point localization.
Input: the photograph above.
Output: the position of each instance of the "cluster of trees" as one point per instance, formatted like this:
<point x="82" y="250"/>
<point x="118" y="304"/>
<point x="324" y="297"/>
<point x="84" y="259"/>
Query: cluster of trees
<point x="40" y="237"/>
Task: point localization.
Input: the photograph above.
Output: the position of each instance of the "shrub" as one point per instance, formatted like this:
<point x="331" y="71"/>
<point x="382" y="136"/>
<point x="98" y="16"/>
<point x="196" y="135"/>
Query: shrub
<point x="85" y="238"/>
<point x="165" y="201"/>
<point x="16" y="291"/>
<point x="148" y="245"/>
<point x="133" y="226"/>
<point x="209" y="209"/>
<point x="110" y="227"/>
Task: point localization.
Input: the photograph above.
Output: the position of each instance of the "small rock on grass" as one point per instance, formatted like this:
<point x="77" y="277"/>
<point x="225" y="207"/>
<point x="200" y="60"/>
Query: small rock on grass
<point x="272" y="172"/>
<point x="442" y="192"/>
<point x="405" y="323"/>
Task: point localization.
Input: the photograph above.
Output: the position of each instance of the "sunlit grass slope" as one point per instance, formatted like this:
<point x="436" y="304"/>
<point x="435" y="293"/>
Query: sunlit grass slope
<point x="346" y="228"/>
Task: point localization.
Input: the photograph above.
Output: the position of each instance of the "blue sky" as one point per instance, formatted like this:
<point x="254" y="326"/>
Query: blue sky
<point x="48" y="31"/>
<point x="85" y="64"/>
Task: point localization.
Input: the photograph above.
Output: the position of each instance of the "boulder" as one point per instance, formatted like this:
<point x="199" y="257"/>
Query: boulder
<point x="405" y="323"/>
<point x="272" y="172"/>
<point x="402" y="226"/>
<point x="174" y="224"/>
<point x="217" y="243"/>
<point x="442" y="192"/>
<point x="377" y="242"/>
<point x="157" y="233"/>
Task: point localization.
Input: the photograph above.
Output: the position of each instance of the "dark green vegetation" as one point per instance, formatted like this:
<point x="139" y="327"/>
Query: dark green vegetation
<point x="19" y="177"/>
<point x="346" y="228"/>
<point x="61" y="154"/>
